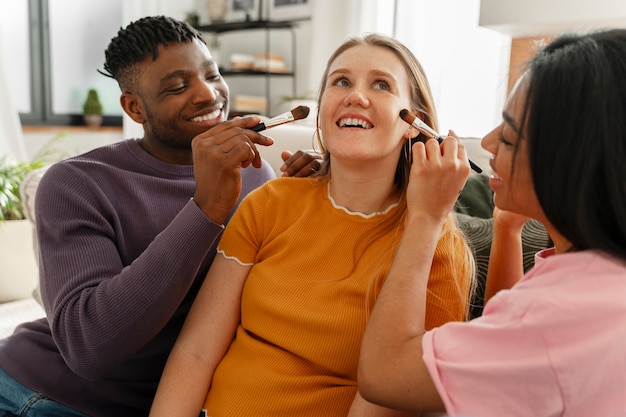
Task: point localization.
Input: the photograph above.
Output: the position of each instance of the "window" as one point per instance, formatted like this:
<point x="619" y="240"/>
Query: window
<point x="53" y="50"/>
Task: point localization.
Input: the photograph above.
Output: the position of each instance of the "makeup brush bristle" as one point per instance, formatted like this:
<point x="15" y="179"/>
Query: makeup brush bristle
<point x="300" y="112"/>
<point x="407" y="116"/>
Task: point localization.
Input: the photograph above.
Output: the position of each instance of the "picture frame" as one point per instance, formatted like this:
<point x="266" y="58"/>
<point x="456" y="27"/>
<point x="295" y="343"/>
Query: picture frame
<point x="279" y="10"/>
<point x="245" y="10"/>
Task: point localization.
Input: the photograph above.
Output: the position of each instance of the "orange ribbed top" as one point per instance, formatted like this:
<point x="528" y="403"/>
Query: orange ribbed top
<point x="305" y="303"/>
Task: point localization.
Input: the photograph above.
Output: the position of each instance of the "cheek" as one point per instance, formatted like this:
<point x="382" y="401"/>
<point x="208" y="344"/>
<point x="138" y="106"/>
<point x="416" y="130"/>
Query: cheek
<point x="522" y="185"/>
<point x="325" y="111"/>
<point x="223" y="89"/>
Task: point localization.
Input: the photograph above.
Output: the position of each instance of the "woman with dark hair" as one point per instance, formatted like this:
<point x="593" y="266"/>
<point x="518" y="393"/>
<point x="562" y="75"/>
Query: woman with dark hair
<point x="552" y="342"/>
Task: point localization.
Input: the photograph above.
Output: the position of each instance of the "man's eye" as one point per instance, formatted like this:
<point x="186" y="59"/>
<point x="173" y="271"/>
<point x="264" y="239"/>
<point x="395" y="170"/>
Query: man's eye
<point x="176" y="89"/>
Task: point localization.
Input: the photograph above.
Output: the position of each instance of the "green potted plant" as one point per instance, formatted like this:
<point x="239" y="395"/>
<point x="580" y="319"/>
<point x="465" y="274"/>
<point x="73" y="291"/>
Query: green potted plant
<point x="16" y="234"/>
<point x="11" y="176"/>
<point x="17" y="256"/>
<point x="92" y="109"/>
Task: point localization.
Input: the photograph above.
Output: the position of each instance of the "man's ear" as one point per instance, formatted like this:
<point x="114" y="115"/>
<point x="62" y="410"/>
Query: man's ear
<point x="133" y="107"/>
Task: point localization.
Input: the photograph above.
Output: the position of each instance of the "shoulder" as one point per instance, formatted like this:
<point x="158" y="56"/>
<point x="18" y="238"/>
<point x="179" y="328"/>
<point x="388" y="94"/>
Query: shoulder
<point x="254" y="177"/>
<point x="290" y="186"/>
<point x="285" y="194"/>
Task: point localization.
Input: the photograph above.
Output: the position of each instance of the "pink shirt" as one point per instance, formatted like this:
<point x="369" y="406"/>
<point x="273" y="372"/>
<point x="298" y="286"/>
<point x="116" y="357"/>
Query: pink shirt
<point x="553" y="345"/>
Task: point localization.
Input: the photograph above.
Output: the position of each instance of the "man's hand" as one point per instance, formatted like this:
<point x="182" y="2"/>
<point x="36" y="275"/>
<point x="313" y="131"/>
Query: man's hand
<point x="300" y="164"/>
<point x="218" y="156"/>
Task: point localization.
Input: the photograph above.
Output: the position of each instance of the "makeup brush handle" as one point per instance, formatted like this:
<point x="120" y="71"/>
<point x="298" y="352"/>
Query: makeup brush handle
<point x="261" y="126"/>
<point x="472" y="164"/>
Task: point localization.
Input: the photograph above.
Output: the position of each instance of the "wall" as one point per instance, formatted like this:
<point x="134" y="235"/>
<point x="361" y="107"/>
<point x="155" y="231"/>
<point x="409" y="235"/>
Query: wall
<point x="467" y="65"/>
<point x="67" y="141"/>
<point x="539" y="17"/>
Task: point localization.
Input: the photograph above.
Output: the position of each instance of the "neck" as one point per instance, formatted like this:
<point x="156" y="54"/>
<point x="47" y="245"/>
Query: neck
<point x="167" y="154"/>
<point x="365" y="193"/>
<point x="561" y="244"/>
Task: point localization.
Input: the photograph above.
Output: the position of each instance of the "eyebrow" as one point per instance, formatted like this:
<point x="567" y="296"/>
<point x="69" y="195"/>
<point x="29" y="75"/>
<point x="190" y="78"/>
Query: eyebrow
<point x="182" y="73"/>
<point x="508" y="119"/>
<point x="174" y="74"/>
<point x="377" y="73"/>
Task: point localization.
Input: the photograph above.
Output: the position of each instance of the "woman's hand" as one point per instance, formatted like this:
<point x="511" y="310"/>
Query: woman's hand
<point x="438" y="175"/>
<point x="503" y="219"/>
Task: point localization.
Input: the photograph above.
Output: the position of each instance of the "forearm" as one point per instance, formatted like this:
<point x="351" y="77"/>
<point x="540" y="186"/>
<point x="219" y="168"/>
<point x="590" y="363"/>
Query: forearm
<point x="175" y="398"/>
<point x="506" y="264"/>
<point x="390" y="367"/>
<point x="89" y="293"/>
<point x="203" y="341"/>
<point x="362" y="408"/>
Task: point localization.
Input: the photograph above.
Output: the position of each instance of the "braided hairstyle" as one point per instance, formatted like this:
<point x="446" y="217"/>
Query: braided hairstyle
<point x="139" y="40"/>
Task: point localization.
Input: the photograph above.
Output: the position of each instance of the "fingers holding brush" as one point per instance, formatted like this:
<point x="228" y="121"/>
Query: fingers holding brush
<point x="438" y="171"/>
<point x="427" y="131"/>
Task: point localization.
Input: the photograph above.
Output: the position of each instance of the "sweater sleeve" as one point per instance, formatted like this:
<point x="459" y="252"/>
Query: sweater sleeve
<point x="107" y="296"/>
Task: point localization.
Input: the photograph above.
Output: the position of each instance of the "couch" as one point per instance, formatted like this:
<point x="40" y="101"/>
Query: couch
<point x="474" y="210"/>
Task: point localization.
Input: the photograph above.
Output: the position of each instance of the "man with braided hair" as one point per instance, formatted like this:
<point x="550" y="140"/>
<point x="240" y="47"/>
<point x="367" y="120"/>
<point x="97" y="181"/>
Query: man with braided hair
<point x="127" y="232"/>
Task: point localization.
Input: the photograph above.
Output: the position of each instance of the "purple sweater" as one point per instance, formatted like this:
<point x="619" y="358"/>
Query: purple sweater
<point x="123" y="250"/>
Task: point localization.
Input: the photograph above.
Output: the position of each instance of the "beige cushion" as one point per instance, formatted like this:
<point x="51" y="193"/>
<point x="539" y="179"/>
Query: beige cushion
<point x="28" y="191"/>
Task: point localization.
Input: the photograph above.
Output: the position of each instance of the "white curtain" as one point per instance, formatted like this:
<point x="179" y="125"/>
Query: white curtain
<point x="467" y="65"/>
<point x="11" y="137"/>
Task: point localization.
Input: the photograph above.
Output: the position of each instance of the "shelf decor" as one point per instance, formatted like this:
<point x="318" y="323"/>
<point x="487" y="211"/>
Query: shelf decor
<point x="268" y="66"/>
<point x="245" y="10"/>
<point x="289" y="9"/>
<point x="217" y="10"/>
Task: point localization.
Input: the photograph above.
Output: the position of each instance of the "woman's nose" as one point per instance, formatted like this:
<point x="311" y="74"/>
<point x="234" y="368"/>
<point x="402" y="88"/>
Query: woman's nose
<point x="490" y="141"/>
<point x="356" y="97"/>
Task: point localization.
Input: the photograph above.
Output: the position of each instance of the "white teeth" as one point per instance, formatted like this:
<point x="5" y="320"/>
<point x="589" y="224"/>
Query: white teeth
<point x="209" y="116"/>
<point x="353" y="122"/>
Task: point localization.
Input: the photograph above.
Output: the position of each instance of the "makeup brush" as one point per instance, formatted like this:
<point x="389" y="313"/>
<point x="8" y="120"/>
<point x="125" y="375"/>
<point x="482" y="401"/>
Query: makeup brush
<point x="415" y="121"/>
<point x="300" y="112"/>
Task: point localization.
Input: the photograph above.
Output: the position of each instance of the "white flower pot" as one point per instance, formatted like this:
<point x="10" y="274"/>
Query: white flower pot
<point x="19" y="271"/>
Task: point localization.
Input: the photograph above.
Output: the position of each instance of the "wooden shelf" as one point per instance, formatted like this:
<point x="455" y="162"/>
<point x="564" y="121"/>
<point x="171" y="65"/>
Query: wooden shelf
<point x="246" y="25"/>
<point x="267" y="26"/>
<point x="225" y="71"/>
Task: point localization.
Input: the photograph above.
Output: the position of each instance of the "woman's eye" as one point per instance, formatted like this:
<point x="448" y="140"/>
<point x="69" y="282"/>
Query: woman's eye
<point x="503" y="140"/>
<point x="382" y="85"/>
<point x="341" y="82"/>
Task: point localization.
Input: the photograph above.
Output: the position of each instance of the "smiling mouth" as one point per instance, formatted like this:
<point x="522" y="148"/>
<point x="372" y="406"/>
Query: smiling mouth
<point x="352" y="122"/>
<point x="207" y="117"/>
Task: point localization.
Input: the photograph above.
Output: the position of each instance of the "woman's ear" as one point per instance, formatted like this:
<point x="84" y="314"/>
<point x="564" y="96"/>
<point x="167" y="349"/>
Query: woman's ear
<point x="410" y="133"/>
<point x="133" y="107"/>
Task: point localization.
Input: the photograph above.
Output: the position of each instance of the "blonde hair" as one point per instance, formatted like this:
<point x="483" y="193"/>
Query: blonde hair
<point x="422" y="105"/>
